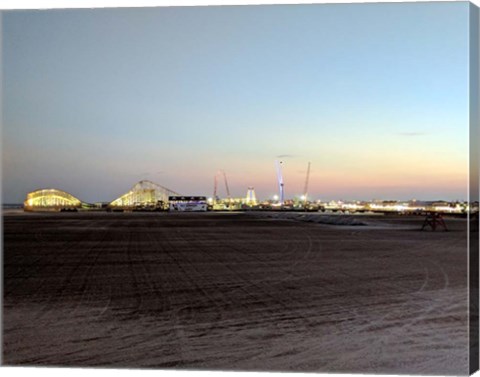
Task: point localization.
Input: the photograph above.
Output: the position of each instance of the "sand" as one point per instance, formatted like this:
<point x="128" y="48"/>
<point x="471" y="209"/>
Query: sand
<point x="234" y="291"/>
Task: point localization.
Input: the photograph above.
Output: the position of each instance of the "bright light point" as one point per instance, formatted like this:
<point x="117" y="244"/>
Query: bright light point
<point x="275" y="197"/>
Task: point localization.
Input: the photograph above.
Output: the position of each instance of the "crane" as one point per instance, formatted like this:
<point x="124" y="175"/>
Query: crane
<point x="305" y="190"/>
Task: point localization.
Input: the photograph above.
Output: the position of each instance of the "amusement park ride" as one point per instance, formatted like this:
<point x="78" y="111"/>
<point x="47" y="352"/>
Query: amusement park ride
<point x="281" y="186"/>
<point x="215" y="186"/>
<point x="149" y="196"/>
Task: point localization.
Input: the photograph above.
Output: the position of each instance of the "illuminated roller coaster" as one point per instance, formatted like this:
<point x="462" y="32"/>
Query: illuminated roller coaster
<point x="143" y="195"/>
<point x="50" y="200"/>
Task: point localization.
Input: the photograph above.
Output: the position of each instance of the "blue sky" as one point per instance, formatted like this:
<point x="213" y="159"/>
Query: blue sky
<point x="374" y="95"/>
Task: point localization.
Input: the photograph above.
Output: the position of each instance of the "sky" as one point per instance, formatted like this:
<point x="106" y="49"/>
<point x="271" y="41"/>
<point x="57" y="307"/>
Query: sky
<point x="375" y="96"/>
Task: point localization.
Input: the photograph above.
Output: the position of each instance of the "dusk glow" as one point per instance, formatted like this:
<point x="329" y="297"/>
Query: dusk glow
<point x="376" y="98"/>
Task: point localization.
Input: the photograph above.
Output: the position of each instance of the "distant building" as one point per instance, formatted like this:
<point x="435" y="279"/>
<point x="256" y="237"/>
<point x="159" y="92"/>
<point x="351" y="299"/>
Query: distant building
<point x="187" y="203"/>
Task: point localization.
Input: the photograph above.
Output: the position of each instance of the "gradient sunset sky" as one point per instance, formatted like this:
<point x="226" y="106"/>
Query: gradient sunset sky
<point x="375" y="96"/>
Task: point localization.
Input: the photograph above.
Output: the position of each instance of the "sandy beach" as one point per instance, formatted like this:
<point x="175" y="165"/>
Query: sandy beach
<point x="234" y="291"/>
